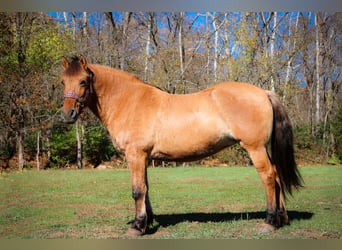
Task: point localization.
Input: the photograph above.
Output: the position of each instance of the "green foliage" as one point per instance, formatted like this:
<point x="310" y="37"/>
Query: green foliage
<point x="98" y="146"/>
<point x="234" y="156"/>
<point x="7" y="150"/>
<point x="336" y="130"/>
<point x="334" y="159"/>
<point x="303" y="138"/>
<point x="63" y="146"/>
<point x="46" y="47"/>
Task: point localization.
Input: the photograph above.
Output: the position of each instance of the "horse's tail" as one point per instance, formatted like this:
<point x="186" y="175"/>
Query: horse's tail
<point x="282" y="148"/>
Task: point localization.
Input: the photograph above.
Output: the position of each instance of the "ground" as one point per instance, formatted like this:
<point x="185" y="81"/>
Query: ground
<point x="189" y="202"/>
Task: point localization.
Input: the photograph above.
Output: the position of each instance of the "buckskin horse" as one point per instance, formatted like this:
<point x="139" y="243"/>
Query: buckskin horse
<point x="145" y="123"/>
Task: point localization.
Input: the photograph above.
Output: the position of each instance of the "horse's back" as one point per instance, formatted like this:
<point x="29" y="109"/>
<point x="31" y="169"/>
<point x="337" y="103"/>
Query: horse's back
<point x="199" y="124"/>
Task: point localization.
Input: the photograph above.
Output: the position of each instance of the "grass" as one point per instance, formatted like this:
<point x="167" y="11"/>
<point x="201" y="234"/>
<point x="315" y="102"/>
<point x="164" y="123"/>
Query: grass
<point x="188" y="203"/>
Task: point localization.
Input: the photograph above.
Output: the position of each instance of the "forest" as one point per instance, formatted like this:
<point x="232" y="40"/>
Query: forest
<point x="296" y="54"/>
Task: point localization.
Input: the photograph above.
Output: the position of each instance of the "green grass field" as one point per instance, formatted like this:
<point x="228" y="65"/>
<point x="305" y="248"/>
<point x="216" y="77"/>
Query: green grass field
<point x="188" y="202"/>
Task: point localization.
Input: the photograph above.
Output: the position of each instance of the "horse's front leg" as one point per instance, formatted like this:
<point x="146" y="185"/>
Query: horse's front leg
<point x="143" y="210"/>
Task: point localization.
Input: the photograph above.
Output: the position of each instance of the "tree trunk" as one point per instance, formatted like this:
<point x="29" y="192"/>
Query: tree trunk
<point x="148" y="48"/>
<point x="65" y="15"/>
<point x="38" y="151"/>
<point x="20" y="145"/>
<point x="48" y="147"/>
<point x="272" y="49"/>
<point x="318" y="73"/>
<point x="73" y="14"/>
<point x="215" y="48"/>
<point x="79" y="146"/>
<point x="85" y="24"/>
<point x="208" y="46"/>
<point x="23" y="37"/>
<point x="181" y="48"/>
<point x="289" y="62"/>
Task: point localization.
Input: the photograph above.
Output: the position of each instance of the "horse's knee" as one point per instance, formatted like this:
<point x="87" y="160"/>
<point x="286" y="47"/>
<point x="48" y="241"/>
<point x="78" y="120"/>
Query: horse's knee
<point x="136" y="194"/>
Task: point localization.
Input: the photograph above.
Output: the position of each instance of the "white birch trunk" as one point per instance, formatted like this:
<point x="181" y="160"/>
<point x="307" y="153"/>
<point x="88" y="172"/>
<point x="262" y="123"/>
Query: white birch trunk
<point x="215" y="47"/>
<point x="73" y="14"/>
<point x="20" y="145"/>
<point x="38" y="151"/>
<point x="208" y="46"/>
<point x="289" y="63"/>
<point x="65" y="15"/>
<point x="85" y="24"/>
<point x="147" y="49"/>
<point x="79" y="146"/>
<point x="180" y="47"/>
<point x="272" y="48"/>
<point x="318" y="68"/>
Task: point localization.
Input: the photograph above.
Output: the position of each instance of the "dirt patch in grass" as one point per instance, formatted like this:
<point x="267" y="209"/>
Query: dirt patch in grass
<point x="315" y="234"/>
<point x="104" y="232"/>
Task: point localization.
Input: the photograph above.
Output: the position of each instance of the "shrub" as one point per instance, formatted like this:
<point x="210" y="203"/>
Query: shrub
<point x="63" y="146"/>
<point x="98" y="146"/>
<point x="336" y="130"/>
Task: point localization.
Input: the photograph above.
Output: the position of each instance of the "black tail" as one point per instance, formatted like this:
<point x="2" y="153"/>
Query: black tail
<point x="282" y="148"/>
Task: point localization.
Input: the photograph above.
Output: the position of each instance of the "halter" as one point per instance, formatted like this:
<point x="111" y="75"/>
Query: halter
<point x="71" y="94"/>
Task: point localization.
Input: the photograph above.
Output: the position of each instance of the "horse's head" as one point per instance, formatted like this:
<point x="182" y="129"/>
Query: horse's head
<point x="78" y="85"/>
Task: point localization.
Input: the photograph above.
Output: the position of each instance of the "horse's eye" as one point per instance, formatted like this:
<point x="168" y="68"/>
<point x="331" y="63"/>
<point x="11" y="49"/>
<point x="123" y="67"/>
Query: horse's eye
<point x="62" y="83"/>
<point x="83" y="83"/>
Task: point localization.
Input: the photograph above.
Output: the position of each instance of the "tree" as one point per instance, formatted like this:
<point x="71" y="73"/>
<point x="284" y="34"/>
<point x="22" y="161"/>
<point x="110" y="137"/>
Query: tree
<point x="35" y="46"/>
<point x="298" y="55"/>
<point x="23" y="26"/>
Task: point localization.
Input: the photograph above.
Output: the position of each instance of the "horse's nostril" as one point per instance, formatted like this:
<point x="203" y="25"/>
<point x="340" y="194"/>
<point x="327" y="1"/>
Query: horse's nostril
<point x="72" y="114"/>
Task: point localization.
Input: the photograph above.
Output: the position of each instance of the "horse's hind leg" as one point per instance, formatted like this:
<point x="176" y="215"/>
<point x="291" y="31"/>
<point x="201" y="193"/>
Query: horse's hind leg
<point x="143" y="214"/>
<point x="276" y="213"/>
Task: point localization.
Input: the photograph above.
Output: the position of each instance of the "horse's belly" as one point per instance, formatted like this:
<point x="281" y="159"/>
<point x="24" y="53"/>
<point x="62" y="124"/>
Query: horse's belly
<point x="190" y="149"/>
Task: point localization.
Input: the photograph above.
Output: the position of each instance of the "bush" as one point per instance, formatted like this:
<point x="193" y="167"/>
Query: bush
<point x="302" y="137"/>
<point x="336" y="130"/>
<point x="63" y="146"/>
<point x="98" y="146"/>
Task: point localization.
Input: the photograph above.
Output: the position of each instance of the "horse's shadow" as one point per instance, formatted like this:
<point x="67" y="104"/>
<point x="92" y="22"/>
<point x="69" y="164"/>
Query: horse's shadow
<point x="166" y="220"/>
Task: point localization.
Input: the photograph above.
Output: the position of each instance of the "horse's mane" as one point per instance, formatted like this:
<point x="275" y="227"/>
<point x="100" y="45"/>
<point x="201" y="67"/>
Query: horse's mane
<point x="131" y="77"/>
<point x="74" y="66"/>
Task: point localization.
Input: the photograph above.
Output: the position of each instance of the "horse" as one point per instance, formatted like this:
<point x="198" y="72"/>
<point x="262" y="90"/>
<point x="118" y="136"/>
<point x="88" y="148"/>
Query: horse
<point x="146" y="123"/>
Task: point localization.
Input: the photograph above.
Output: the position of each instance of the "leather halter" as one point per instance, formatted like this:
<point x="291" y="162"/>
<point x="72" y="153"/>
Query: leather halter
<point x="71" y="94"/>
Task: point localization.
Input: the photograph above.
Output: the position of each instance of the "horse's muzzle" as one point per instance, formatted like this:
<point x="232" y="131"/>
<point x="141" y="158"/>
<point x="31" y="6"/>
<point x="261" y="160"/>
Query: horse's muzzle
<point x="70" y="117"/>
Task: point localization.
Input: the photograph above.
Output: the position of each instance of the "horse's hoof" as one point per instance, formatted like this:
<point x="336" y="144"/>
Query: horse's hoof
<point x="132" y="232"/>
<point x="266" y="228"/>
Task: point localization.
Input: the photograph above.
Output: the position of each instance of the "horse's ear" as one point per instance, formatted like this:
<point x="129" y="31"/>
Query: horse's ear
<point x="65" y="62"/>
<point x="83" y="61"/>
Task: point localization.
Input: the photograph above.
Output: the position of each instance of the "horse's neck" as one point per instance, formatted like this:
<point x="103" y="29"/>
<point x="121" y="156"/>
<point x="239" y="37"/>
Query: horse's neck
<point x="109" y="87"/>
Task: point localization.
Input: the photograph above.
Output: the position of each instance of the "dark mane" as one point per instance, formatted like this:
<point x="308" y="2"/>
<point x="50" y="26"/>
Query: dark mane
<point x="74" y="66"/>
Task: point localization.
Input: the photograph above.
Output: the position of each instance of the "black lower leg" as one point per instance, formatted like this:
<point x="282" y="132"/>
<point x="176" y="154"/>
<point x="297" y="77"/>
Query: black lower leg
<point x="282" y="217"/>
<point x="149" y="211"/>
<point x="140" y="223"/>
<point x="276" y="217"/>
<point x="279" y="213"/>
<point x="148" y="206"/>
<point x="271" y="217"/>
